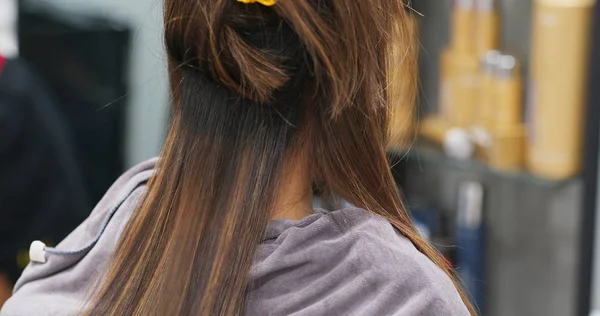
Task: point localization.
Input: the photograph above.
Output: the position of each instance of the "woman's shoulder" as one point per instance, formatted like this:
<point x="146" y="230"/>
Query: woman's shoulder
<point x="348" y="262"/>
<point x="60" y="277"/>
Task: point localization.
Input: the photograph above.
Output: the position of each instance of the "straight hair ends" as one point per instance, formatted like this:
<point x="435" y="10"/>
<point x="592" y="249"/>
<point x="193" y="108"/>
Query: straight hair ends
<point x="250" y="87"/>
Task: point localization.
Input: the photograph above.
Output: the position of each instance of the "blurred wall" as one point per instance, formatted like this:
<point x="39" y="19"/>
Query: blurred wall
<point x="148" y="92"/>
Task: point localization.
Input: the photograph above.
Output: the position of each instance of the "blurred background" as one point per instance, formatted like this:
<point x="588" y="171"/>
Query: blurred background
<point x="499" y="166"/>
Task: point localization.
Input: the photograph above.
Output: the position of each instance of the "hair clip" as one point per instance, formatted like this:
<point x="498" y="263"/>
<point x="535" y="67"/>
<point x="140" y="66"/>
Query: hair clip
<point x="267" y="3"/>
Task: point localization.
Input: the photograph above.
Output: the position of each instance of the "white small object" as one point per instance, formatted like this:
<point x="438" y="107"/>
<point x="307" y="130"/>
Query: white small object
<point x="37" y="252"/>
<point x="481" y="137"/>
<point x="8" y="28"/>
<point x="470" y="204"/>
<point x="458" y="144"/>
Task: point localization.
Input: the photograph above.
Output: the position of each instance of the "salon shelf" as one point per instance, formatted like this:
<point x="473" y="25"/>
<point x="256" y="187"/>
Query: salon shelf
<point x="531" y="227"/>
<point x="424" y="153"/>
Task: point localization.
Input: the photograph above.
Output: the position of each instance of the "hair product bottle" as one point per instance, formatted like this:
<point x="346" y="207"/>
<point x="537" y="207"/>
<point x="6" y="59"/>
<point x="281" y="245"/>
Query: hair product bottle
<point x="487" y="31"/>
<point x="463" y="26"/>
<point x="466" y="86"/>
<point x="488" y="27"/>
<point x="508" y="91"/>
<point x="446" y="88"/>
<point x="461" y="61"/>
<point x="559" y="58"/>
<point x="487" y="104"/>
<point x="508" y="131"/>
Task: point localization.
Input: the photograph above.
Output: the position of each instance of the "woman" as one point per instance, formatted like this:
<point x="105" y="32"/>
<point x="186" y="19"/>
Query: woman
<point x="269" y="98"/>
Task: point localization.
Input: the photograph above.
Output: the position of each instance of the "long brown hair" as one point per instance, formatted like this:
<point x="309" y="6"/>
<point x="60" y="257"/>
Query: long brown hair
<point x="251" y="86"/>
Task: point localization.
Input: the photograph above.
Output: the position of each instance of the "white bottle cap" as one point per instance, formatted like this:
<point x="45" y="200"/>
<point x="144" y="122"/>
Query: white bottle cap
<point x="458" y="144"/>
<point x="481" y="137"/>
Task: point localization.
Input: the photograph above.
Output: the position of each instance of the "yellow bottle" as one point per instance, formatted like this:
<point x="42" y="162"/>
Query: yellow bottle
<point x="458" y="67"/>
<point x="487" y="98"/>
<point x="446" y="88"/>
<point x="487" y="104"/>
<point x="466" y="86"/>
<point x="465" y="64"/>
<point x="559" y="61"/>
<point x="509" y="92"/>
<point x="507" y="152"/>
<point x="486" y="42"/>
<point x="488" y="27"/>
<point x="463" y="26"/>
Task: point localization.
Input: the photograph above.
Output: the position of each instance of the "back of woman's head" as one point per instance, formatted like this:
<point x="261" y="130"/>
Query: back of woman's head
<point x="253" y="88"/>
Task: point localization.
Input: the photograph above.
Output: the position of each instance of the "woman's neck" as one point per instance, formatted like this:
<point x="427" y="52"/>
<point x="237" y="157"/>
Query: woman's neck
<point x="294" y="198"/>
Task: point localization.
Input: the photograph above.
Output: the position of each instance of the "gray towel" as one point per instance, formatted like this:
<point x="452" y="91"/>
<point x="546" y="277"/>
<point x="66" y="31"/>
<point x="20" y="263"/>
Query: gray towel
<point x="343" y="262"/>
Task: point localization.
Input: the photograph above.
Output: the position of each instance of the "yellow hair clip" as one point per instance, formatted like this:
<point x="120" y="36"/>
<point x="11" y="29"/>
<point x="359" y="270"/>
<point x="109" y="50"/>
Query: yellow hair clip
<point x="267" y="3"/>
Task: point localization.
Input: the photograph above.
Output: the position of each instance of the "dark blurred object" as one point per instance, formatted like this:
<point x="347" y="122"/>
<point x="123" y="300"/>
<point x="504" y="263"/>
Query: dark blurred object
<point x="41" y="190"/>
<point x="587" y="290"/>
<point x="84" y="59"/>
<point x="470" y="241"/>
